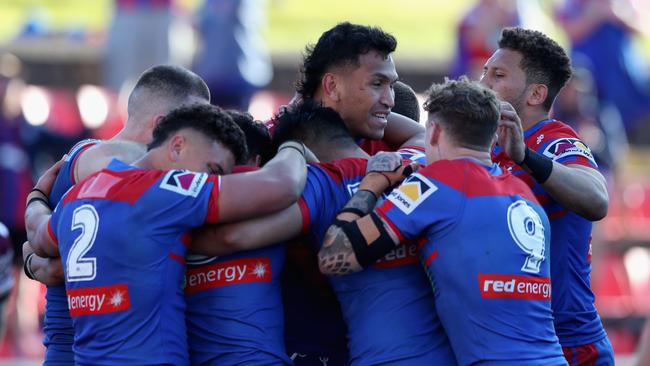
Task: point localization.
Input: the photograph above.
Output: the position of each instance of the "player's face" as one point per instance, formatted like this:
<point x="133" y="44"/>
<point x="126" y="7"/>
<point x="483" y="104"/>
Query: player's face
<point x="200" y="154"/>
<point x="367" y="96"/>
<point x="503" y="74"/>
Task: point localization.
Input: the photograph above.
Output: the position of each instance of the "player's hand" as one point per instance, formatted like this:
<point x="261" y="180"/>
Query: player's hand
<point x="378" y="182"/>
<point x="384" y="162"/>
<point x="510" y="133"/>
<point x="46" y="181"/>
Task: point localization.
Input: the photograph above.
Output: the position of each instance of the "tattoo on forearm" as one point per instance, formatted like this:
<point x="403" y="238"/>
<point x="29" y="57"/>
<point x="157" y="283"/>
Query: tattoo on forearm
<point x="362" y="200"/>
<point x="337" y="256"/>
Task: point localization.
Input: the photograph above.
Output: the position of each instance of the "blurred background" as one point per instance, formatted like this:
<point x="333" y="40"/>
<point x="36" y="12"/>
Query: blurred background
<point x="66" y="67"/>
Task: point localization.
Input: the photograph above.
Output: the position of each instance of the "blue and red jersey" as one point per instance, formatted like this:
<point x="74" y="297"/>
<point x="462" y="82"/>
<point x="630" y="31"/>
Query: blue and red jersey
<point x="484" y="243"/>
<point x="389" y="308"/>
<point x="121" y="235"/>
<point x="576" y="318"/>
<point x="234" y="309"/>
<point x="57" y="325"/>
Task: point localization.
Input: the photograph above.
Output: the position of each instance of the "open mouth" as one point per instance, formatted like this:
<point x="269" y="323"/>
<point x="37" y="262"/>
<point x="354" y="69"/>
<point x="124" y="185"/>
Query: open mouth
<point x="380" y="117"/>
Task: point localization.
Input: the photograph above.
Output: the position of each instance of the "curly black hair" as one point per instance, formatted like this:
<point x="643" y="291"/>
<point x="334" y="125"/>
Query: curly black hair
<point x="258" y="139"/>
<point x="466" y="110"/>
<point x="310" y="122"/>
<point x="207" y="119"/>
<point x="406" y="101"/>
<point x="543" y="60"/>
<point x="339" y="46"/>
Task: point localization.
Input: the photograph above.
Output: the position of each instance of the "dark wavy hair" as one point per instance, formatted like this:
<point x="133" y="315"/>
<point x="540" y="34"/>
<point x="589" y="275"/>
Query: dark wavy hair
<point x="466" y="110"/>
<point x="310" y="122"/>
<point x="258" y="139"/>
<point x="207" y="119"/>
<point x="339" y="46"/>
<point x="543" y="60"/>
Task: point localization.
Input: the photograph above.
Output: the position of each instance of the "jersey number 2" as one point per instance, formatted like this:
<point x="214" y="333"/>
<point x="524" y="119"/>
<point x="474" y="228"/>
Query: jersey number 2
<point x="527" y="230"/>
<point x="82" y="268"/>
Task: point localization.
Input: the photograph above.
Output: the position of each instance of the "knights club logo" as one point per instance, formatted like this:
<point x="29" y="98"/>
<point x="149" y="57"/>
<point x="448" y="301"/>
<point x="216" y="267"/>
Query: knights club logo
<point x="184" y="182"/>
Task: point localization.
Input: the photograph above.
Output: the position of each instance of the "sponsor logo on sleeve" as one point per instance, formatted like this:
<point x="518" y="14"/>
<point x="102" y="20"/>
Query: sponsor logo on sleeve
<point x="233" y="272"/>
<point x="411" y="193"/>
<point x="500" y="286"/>
<point x="98" y="300"/>
<point x="567" y="147"/>
<point x="184" y="182"/>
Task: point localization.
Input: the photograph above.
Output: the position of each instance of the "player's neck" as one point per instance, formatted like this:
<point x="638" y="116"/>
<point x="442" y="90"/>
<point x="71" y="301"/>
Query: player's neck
<point x="532" y="117"/>
<point x="130" y="132"/>
<point x="454" y="153"/>
<point x="330" y="153"/>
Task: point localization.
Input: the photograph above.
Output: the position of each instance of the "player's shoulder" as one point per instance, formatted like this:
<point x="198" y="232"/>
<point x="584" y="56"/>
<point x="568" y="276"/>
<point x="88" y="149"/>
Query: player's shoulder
<point x="557" y="140"/>
<point x="119" y="182"/>
<point x="549" y="131"/>
<point x="473" y="179"/>
<point x="80" y="146"/>
<point x="413" y="154"/>
<point x="344" y="169"/>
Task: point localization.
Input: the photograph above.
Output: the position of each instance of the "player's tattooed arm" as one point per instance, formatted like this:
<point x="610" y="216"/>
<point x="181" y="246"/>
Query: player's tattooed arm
<point x="337" y="256"/>
<point x="353" y="243"/>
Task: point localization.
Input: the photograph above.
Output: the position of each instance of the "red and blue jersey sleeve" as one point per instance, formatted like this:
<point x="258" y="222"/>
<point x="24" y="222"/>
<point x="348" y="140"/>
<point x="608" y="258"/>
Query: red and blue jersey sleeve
<point x="413" y="153"/>
<point x="329" y="187"/>
<point x="421" y="204"/>
<point x="66" y="177"/>
<point x="561" y="143"/>
<point x="187" y="197"/>
<point x="313" y="206"/>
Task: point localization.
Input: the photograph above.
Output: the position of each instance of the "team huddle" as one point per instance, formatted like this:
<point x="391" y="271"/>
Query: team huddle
<point x="342" y="232"/>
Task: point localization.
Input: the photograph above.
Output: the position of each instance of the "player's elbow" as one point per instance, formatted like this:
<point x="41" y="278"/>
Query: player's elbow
<point x="598" y="207"/>
<point x="232" y="241"/>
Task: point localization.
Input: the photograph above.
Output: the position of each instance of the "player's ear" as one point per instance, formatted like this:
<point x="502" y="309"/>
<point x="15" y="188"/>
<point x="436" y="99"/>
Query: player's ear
<point x="176" y="146"/>
<point x="538" y="94"/>
<point x="330" y="86"/>
<point x="435" y="133"/>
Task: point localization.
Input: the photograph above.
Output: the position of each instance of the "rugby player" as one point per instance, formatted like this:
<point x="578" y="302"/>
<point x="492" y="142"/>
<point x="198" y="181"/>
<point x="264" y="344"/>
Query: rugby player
<point x="527" y="71"/>
<point x="157" y="91"/>
<point x="392" y="297"/>
<point x="480" y="230"/>
<point x="125" y="286"/>
<point x="234" y="312"/>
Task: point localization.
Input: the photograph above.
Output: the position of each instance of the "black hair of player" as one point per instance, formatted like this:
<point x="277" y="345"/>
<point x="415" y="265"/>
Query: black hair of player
<point x="310" y="122"/>
<point x="406" y="101"/>
<point x="543" y="60"/>
<point x="340" y="46"/>
<point x="173" y="82"/>
<point x="258" y="139"/>
<point x="207" y="119"/>
<point x="465" y="110"/>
